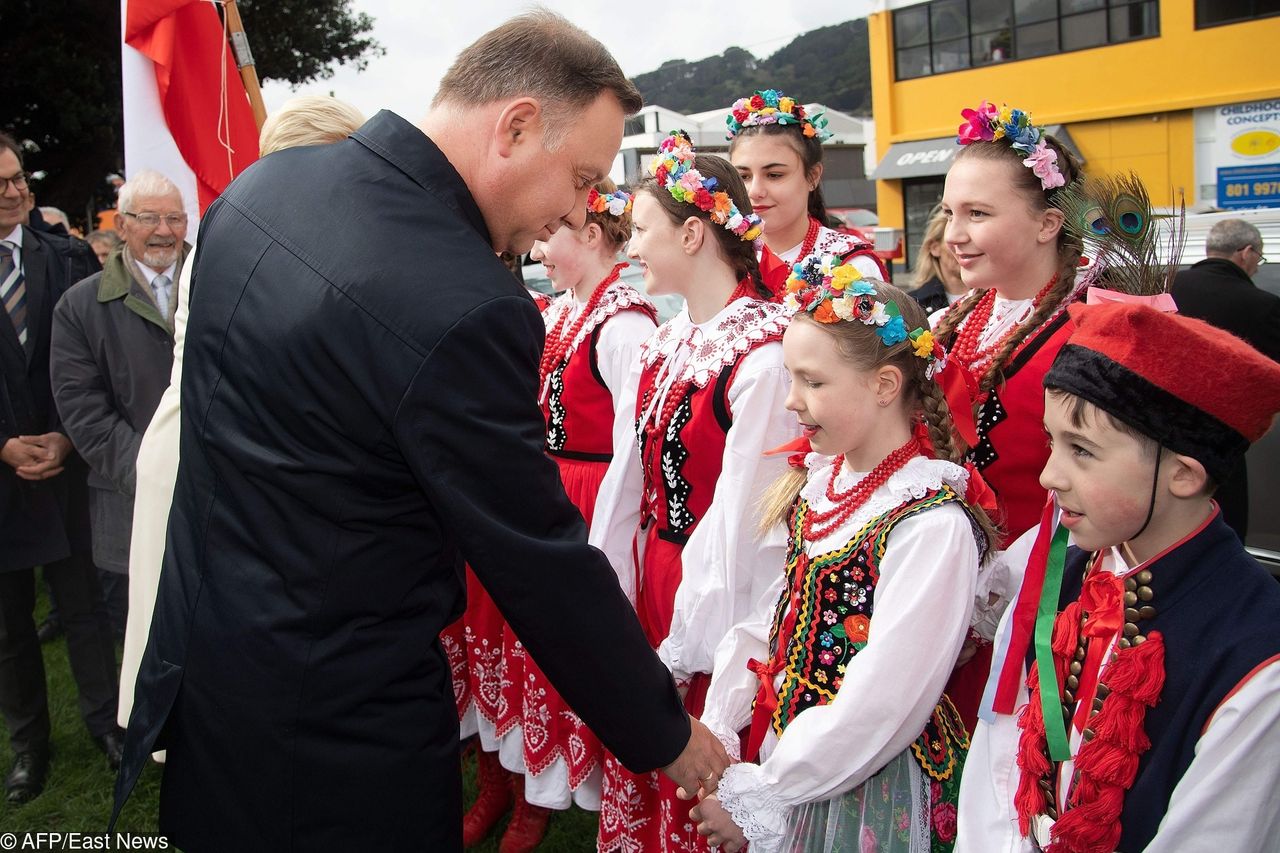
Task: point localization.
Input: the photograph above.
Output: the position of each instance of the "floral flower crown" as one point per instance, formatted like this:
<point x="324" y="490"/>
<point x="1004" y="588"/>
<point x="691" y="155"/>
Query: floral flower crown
<point x="673" y="169"/>
<point x="615" y="203"/>
<point x="772" y="107"/>
<point x="830" y="291"/>
<point x="988" y="124"/>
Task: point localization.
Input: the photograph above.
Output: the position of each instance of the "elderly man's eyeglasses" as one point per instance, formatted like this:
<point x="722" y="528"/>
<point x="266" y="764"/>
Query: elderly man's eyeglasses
<point x="1262" y="259"/>
<point x="19" y="182"/>
<point x="151" y="220"/>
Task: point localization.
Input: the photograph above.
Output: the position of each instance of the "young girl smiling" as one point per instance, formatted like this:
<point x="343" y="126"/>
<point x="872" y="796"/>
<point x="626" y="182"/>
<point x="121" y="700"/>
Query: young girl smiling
<point x="858" y="746"/>
<point x="777" y="149"/>
<point x="675" y="513"/>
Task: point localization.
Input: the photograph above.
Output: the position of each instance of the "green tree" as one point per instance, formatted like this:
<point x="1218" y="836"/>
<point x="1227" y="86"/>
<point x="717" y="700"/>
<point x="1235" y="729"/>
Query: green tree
<point x="830" y="65"/>
<point x="60" y="80"/>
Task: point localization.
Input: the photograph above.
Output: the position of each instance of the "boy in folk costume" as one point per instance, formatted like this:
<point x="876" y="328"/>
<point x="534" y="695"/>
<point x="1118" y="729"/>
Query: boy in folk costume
<point x="1150" y="717"/>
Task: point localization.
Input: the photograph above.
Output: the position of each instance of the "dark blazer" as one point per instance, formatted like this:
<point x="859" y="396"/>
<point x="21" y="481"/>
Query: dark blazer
<point x="932" y="295"/>
<point x="46" y="521"/>
<point x="1220" y="293"/>
<point x="112" y="354"/>
<point x="359" y="415"/>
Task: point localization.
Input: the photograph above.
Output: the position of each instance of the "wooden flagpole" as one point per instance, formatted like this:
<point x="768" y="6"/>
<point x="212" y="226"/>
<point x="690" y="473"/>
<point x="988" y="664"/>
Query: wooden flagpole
<point x="244" y="61"/>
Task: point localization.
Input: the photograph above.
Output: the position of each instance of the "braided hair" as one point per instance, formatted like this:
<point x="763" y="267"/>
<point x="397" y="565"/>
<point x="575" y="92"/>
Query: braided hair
<point x="1069" y="250"/>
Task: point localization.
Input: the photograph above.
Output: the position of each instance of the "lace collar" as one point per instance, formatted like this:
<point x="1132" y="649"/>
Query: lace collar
<point x="697" y="352"/>
<point x="618" y="296"/>
<point x="916" y="479"/>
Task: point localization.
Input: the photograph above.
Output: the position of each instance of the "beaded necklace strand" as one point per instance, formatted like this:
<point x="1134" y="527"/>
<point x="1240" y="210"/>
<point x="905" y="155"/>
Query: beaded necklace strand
<point x="558" y="341"/>
<point x="966" y="349"/>
<point x="847" y="503"/>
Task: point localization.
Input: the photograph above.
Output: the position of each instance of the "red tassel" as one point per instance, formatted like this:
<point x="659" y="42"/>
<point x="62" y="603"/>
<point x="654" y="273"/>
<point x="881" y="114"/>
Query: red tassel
<point x="1091" y="827"/>
<point x="1120" y="722"/>
<point x="1139" y="671"/>
<point x="1108" y="763"/>
<point x="1028" y="801"/>
<point x="1066" y="631"/>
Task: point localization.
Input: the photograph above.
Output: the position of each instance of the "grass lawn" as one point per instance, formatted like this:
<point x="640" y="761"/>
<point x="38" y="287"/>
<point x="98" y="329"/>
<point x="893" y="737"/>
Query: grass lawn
<point x="78" y="795"/>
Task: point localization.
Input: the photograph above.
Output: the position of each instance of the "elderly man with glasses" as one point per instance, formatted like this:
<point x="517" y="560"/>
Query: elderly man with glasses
<point x="112" y="355"/>
<point x="1220" y="291"/>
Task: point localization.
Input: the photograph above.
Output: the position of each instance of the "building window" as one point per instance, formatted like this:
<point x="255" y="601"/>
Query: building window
<point x="950" y="35"/>
<point x="633" y="125"/>
<point x="920" y="197"/>
<point x="1213" y="13"/>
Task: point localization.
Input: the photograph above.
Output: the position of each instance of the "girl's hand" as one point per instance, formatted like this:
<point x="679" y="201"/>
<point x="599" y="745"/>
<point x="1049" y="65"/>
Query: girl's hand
<point x="716" y="826"/>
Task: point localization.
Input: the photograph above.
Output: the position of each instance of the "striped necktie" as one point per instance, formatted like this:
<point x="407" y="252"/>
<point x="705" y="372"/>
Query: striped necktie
<point x="13" y="292"/>
<point x="160" y="285"/>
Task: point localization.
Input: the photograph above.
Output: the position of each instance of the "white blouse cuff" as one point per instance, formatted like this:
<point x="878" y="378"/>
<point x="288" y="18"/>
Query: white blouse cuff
<point x="750" y="800"/>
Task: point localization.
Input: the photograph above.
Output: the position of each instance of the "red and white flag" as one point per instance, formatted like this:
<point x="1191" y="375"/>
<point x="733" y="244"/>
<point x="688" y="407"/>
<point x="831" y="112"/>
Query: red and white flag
<point x="186" y="114"/>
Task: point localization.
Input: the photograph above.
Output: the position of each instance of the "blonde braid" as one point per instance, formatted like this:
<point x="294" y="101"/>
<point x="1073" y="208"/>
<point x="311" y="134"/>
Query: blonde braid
<point x="937" y="417"/>
<point x="777" y="500"/>
<point x="952" y="318"/>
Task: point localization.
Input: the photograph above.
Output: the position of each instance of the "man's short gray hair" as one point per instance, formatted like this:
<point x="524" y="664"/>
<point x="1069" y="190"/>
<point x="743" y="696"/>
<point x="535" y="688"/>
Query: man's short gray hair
<point x="145" y="184"/>
<point x="1230" y="236"/>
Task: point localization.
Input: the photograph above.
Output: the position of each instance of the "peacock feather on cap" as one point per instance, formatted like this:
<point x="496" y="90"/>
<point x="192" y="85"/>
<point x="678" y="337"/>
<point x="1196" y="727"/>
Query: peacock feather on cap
<point x="1134" y="249"/>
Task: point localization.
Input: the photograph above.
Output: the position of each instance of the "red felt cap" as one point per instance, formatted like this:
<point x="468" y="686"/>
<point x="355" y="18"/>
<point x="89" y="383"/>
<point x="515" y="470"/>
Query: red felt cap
<point x="1201" y="365"/>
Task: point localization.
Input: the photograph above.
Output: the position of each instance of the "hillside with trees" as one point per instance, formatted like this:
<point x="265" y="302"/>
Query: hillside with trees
<point x="830" y="65"/>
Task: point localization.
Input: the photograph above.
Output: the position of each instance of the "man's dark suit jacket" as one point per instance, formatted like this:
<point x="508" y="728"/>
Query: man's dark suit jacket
<point x="359" y="415"/>
<point x="40" y="522"/>
<point x="1220" y="293"/>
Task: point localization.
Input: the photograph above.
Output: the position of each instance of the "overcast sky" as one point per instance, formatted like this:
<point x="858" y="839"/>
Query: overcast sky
<point x="423" y="38"/>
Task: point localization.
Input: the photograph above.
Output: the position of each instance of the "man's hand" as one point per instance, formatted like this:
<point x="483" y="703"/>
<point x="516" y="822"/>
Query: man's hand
<point x="715" y="825"/>
<point x="49" y="451"/>
<point x="19" y="451"/>
<point x="698" y="768"/>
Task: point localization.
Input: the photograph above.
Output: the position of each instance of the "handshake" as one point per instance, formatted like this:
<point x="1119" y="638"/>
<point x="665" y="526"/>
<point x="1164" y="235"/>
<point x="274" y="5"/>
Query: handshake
<point x="697" y="770"/>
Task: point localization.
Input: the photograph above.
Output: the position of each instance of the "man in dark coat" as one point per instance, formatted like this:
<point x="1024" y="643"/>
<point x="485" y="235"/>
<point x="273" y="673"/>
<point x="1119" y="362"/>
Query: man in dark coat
<point x="112" y="353"/>
<point x="1220" y="290"/>
<point x="43" y="505"/>
<point x="359" y="415"/>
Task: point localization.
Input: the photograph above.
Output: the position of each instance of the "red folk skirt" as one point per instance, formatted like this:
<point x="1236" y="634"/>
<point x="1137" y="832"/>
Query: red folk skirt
<point x="641" y="812"/>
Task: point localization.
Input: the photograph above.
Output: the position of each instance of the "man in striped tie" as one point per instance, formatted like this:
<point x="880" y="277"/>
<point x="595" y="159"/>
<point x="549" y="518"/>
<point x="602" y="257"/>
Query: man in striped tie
<point x="111" y="359"/>
<point x="44" y="517"/>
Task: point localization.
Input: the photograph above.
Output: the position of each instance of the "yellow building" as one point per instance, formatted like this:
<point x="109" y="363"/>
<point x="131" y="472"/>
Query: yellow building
<point x="1173" y="90"/>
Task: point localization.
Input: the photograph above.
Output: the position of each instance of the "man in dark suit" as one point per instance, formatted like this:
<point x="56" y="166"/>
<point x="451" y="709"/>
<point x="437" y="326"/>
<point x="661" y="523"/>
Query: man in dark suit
<point x="1220" y="291"/>
<point x="359" y="415"/>
<point x="43" y="503"/>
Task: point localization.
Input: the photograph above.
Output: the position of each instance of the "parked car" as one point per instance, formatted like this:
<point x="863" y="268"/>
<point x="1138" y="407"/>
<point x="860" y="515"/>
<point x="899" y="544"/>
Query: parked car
<point x="857" y="221"/>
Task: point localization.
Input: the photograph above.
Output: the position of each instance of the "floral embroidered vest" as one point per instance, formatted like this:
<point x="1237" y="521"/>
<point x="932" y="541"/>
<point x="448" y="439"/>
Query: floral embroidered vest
<point x="824" y="616"/>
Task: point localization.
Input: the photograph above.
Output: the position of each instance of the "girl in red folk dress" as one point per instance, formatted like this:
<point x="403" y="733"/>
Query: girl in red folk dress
<point x="777" y="149"/>
<point x="1008" y="236"/>
<point x="594" y="332"/>
<point x="676" y="513"/>
<point x="858" y="747"/>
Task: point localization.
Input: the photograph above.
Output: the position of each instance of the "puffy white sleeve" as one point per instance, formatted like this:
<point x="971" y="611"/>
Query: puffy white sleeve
<point x="727" y="564"/>
<point x="618" y="359"/>
<point x="868" y="267"/>
<point x="617" y="512"/>
<point x="1235" y="773"/>
<point x="727" y="709"/>
<point x="922" y="603"/>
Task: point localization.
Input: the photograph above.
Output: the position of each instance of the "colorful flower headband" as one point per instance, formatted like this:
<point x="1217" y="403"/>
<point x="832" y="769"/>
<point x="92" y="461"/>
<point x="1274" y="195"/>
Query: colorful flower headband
<point x="772" y="107"/>
<point x="615" y="203"/>
<point x="831" y="291"/>
<point x="988" y="124"/>
<point x="673" y="169"/>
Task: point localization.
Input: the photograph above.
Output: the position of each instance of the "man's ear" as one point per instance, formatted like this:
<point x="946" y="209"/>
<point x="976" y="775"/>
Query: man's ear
<point x="119" y="220"/>
<point x="1188" y="478"/>
<point x="518" y="123"/>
